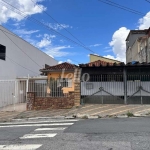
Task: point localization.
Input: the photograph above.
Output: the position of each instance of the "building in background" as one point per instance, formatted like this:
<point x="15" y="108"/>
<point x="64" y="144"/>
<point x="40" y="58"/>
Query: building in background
<point x="137" y="46"/>
<point x="94" y="58"/>
<point x="19" y="58"/>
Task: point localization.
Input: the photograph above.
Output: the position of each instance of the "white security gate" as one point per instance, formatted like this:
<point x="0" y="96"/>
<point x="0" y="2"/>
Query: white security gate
<point x="12" y="92"/>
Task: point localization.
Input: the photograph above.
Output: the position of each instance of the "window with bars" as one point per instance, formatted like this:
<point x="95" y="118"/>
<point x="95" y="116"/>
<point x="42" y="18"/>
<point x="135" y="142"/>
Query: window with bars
<point x="64" y="82"/>
<point x="2" y="52"/>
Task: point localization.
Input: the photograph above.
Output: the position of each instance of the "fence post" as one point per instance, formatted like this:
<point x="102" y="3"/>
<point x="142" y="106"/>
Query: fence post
<point x="27" y="87"/>
<point x="125" y="84"/>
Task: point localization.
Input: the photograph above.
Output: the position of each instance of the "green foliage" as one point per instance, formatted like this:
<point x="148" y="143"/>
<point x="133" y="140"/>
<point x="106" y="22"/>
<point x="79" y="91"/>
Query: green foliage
<point x="130" y="114"/>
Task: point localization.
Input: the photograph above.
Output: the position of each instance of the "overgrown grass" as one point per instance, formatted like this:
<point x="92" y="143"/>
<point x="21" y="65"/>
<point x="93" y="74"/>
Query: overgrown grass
<point x="85" y="117"/>
<point x="130" y="114"/>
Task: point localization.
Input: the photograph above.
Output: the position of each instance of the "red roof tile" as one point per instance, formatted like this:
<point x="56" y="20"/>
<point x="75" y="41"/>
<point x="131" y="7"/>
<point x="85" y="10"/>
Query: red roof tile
<point x="65" y="65"/>
<point x="99" y="63"/>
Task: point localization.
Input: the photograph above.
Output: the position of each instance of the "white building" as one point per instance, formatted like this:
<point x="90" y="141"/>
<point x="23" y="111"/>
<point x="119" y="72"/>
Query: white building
<point x="19" y="58"/>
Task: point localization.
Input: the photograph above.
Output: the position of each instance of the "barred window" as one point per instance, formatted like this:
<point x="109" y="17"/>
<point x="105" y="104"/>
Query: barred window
<point x="2" y="52"/>
<point x="64" y="82"/>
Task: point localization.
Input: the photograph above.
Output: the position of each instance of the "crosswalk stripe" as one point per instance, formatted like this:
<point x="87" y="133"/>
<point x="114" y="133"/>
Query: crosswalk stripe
<point x="20" y="147"/>
<point x="73" y="120"/>
<point x="49" y="129"/>
<point x="32" y="136"/>
<point x="34" y="125"/>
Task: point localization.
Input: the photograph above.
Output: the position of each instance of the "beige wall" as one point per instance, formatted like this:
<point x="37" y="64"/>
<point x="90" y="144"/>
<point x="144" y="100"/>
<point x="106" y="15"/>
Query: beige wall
<point x="95" y="58"/>
<point x="128" y="55"/>
<point x="56" y="75"/>
<point x="135" y="51"/>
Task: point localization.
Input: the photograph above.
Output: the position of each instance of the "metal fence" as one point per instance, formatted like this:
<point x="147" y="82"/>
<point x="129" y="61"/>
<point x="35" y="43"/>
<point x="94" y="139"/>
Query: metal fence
<point x="138" y="89"/>
<point x="112" y="89"/>
<point x="12" y="92"/>
<point x="50" y="88"/>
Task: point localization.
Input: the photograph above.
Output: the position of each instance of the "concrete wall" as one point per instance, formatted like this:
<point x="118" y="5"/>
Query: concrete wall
<point x="17" y="63"/>
<point x="135" y="51"/>
<point x="95" y="58"/>
<point x="131" y="40"/>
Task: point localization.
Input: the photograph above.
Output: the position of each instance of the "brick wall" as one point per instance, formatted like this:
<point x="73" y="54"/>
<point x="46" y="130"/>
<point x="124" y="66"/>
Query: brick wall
<point x="41" y="103"/>
<point x="77" y="92"/>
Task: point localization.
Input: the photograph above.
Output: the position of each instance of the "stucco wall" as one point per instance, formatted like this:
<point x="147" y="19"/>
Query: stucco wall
<point x="131" y="40"/>
<point x="56" y="75"/>
<point x="17" y="63"/>
<point x="95" y="58"/>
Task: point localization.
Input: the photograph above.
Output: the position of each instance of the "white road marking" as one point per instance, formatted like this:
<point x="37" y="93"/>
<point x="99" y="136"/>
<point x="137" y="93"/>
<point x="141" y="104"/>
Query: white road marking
<point x="20" y="147"/>
<point x="33" y="136"/>
<point x="72" y="120"/>
<point x="35" y="125"/>
<point x="49" y="129"/>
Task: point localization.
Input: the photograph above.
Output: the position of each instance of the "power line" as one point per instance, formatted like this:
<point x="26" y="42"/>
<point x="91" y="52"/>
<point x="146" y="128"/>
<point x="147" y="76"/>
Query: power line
<point x="47" y="27"/>
<point x="59" y="24"/>
<point x="147" y="1"/>
<point x="43" y="52"/>
<point x="21" y="65"/>
<point x="122" y="7"/>
<point x="20" y="48"/>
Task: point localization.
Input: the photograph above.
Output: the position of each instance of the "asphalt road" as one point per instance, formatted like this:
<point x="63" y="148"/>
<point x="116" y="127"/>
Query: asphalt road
<point x="96" y="134"/>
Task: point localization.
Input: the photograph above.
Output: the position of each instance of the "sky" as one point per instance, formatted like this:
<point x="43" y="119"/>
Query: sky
<point x="70" y="30"/>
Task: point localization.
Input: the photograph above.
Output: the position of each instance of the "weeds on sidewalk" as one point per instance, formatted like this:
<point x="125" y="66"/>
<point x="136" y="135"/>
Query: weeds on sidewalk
<point x="130" y="114"/>
<point x="85" y="117"/>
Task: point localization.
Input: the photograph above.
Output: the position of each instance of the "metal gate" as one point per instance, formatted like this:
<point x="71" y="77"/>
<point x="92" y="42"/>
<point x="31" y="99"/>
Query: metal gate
<point x="138" y="88"/>
<point x="116" y="89"/>
<point x="12" y="92"/>
<point x="103" y="89"/>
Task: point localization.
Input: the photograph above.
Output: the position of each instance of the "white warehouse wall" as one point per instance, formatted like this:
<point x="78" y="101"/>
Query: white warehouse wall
<point x="16" y="60"/>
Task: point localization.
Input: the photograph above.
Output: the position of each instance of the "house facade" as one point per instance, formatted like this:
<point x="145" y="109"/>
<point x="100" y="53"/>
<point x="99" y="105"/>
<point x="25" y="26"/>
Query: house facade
<point x="94" y="58"/>
<point x="61" y="89"/>
<point x="112" y="83"/>
<point x="18" y="58"/>
<point x="137" y="46"/>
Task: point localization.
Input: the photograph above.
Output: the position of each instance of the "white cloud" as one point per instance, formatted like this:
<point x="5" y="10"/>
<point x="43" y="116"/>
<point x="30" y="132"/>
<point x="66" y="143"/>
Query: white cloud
<point x="60" y="62"/>
<point x="95" y="45"/>
<point x="118" y="39"/>
<point x="24" y="31"/>
<point x="69" y="60"/>
<point x="118" y="43"/>
<point x="56" y="51"/>
<point x="46" y="41"/>
<point x="57" y="26"/>
<point x="144" y="22"/>
<point x="112" y="57"/>
<point x="26" y="6"/>
<point x="108" y="50"/>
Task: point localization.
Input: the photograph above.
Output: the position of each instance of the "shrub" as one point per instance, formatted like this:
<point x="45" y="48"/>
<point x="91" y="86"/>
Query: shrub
<point x="130" y="114"/>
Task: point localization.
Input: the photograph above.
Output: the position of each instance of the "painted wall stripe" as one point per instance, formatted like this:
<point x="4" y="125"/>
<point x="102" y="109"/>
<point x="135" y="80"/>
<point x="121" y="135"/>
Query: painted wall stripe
<point x="35" y="125"/>
<point x="20" y="147"/>
<point x="32" y="136"/>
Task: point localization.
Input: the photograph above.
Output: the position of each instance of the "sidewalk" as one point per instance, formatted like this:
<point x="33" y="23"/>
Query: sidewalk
<point x="95" y="110"/>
